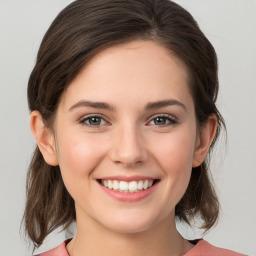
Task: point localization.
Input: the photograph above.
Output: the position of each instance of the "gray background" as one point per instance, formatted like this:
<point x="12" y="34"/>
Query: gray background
<point x="231" y="27"/>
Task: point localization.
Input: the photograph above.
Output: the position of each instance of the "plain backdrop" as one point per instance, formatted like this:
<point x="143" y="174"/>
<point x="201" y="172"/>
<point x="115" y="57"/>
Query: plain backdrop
<point x="231" y="27"/>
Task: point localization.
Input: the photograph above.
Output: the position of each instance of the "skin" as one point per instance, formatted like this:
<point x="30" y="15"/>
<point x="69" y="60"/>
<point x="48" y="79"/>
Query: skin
<point x="127" y="139"/>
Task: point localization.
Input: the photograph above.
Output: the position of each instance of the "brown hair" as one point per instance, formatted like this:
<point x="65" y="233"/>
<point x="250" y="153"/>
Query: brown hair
<point x="80" y="31"/>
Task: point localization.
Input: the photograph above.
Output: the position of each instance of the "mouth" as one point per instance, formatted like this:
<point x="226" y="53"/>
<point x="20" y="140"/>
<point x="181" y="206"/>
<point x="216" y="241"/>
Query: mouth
<point x="131" y="186"/>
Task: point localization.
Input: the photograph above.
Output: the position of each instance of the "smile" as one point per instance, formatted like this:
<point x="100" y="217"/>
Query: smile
<point x="124" y="186"/>
<point x="128" y="189"/>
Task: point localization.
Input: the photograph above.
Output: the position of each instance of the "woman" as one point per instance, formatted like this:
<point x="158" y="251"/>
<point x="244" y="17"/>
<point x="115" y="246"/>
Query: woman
<point x="122" y="101"/>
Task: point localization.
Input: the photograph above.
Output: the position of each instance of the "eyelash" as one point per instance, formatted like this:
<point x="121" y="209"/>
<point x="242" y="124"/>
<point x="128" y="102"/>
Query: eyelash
<point x="170" y="119"/>
<point x="166" y="118"/>
<point x="89" y="118"/>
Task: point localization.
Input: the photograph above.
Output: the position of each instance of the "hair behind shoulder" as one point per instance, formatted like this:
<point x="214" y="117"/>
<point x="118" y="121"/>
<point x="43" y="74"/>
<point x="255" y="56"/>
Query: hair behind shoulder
<point x="78" y="33"/>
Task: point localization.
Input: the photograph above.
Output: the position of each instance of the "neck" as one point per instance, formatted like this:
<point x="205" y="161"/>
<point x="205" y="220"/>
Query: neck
<point x="93" y="239"/>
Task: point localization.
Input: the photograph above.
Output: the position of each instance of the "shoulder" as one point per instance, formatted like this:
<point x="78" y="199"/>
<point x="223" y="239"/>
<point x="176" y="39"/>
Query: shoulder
<point x="203" y="248"/>
<point x="60" y="250"/>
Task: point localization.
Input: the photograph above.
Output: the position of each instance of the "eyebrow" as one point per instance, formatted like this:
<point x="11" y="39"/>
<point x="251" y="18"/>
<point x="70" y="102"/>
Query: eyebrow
<point x="164" y="103"/>
<point x="106" y="106"/>
<point x="97" y="105"/>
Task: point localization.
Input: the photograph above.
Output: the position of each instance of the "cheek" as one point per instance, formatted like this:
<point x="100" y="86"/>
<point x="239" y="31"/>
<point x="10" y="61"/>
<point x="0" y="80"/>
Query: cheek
<point x="176" y="151"/>
<point x="174" y="154"/>
<point x="78" y="156"/>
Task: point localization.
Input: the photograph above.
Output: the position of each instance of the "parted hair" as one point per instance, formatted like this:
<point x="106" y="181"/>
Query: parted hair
<point x="78" y="33"/>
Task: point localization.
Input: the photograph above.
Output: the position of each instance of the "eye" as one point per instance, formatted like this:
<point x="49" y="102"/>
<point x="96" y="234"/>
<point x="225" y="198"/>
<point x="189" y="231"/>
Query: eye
<point x="163" y="120"/>
<point x="93" y="121"/>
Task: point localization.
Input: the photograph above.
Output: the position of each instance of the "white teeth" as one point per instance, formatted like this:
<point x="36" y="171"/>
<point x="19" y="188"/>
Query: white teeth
<point x="133" y="186"/>
<point x="123" y="186"/>
<point x="110" y="184"/>
<point x="140" y="185"/>
<point x="145" y="185"/>
<point x="115" y="185"/>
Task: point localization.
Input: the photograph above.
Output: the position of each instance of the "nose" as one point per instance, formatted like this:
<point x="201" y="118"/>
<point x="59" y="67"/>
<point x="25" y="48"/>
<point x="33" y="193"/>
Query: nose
<point x="128" y="148"/>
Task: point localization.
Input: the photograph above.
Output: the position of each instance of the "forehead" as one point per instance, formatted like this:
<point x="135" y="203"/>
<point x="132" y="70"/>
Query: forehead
<point x="128" y="72"/>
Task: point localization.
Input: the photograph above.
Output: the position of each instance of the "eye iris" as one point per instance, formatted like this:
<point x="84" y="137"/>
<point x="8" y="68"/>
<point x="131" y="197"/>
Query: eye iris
<point x="160" y="120"/>
<point x="95" y="121"/>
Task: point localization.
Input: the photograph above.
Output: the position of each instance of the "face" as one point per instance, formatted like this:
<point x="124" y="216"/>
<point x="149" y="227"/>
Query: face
<point x="126" y="137"/>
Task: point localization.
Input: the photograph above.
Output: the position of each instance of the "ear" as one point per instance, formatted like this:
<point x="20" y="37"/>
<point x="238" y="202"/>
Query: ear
<point x="204" y="140"/>
<point x="44" y="138"/>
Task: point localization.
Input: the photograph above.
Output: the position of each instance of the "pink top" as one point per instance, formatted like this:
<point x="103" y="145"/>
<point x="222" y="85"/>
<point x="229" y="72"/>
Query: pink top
<point x="202" y="248"/>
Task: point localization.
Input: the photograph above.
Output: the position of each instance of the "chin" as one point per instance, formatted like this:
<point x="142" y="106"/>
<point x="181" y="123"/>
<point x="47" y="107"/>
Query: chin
<point x="131" y="224"/>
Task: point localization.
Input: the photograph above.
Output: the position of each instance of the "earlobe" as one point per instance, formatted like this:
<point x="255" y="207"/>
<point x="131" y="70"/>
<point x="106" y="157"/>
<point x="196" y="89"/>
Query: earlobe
<point x="44" y="138"/>
<point x="204" y="140"/>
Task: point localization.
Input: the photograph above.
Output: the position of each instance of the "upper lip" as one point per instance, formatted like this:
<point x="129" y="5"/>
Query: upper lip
<point x="129" y="178"/>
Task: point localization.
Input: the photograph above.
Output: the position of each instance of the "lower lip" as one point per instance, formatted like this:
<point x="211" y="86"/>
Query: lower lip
<point x="128" y="196"/>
